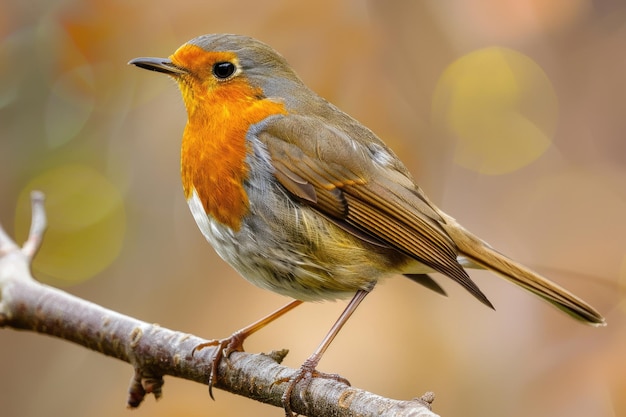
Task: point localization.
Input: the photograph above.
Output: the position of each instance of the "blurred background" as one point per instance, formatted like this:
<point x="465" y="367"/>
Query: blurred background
<point x="510" y="114"/>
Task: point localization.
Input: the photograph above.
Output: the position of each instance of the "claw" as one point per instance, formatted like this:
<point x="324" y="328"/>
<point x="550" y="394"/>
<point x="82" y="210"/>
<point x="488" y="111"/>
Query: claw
<point x="223" y="349"/>
<point x="305" y="374"/>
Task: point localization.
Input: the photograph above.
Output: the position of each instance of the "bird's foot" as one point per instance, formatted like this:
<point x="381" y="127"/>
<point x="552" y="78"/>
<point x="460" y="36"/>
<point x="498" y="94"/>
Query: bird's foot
<point x="305" y="374"/>
<point x="223" y="349"/>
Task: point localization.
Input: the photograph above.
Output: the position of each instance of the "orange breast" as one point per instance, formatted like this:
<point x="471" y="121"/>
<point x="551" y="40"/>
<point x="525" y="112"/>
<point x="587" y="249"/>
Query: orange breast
<point x="214" y="147"/>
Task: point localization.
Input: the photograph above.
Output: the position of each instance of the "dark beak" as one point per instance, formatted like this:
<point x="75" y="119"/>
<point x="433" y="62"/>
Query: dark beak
<point x="163" y="65"/>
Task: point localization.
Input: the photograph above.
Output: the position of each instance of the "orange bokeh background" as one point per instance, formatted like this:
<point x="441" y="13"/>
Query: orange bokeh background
<point x="102" y="140"/>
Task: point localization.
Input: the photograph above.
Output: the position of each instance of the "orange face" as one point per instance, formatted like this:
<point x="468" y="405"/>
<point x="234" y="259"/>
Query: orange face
<point x="200" y="84"/>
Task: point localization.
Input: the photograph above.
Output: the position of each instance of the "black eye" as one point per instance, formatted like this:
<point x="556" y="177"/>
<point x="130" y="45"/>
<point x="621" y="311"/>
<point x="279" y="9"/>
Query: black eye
<point x="223" y="69"/>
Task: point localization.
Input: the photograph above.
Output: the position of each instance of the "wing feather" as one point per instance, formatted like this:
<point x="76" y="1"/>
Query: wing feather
<point x="363" y="198"/>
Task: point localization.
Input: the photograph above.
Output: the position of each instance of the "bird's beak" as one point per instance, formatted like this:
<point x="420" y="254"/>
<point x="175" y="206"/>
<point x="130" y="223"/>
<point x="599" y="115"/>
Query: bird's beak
<point x="163" y="65"/>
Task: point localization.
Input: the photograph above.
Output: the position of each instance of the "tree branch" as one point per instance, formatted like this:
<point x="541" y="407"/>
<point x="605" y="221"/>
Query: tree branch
<point x="154" y="351"/>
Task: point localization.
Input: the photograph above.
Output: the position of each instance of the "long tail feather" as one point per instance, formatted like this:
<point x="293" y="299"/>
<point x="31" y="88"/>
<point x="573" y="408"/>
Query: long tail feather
<point x="484" y="255"/>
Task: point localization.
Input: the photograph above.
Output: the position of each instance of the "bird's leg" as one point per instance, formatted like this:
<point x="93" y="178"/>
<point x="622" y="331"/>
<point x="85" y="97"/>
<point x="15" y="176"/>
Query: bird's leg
<point x="307" y="371"/>
<point x="234" y="343"/>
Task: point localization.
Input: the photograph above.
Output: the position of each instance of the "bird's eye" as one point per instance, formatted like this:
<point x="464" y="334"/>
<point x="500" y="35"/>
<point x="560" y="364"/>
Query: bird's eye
<point x="223" y="70"/>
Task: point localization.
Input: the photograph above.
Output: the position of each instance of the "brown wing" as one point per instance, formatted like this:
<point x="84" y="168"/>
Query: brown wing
<point x="376" y="202"/>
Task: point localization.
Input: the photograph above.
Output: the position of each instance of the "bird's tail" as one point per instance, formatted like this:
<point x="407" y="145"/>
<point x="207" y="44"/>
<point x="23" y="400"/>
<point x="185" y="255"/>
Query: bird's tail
<point x="480" y="253"/>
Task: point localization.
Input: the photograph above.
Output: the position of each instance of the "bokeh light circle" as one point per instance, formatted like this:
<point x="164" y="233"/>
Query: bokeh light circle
<point x="499" y="108"/>
<point x="86" y="223"/>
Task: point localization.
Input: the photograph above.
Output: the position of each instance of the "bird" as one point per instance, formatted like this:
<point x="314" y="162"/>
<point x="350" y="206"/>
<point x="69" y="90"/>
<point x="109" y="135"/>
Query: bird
<point x="305" y="201"/>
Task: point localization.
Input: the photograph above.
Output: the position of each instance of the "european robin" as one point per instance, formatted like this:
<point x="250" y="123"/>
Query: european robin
<point x="304" y="200"/>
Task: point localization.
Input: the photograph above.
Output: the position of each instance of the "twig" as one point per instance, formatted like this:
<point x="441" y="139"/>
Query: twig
<point x="154" y="351"/>
<point x="37" y="226"/>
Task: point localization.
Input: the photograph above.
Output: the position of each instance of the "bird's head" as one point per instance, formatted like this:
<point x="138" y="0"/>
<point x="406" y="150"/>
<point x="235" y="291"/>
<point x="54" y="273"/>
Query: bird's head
<point x="224" y="66"/>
